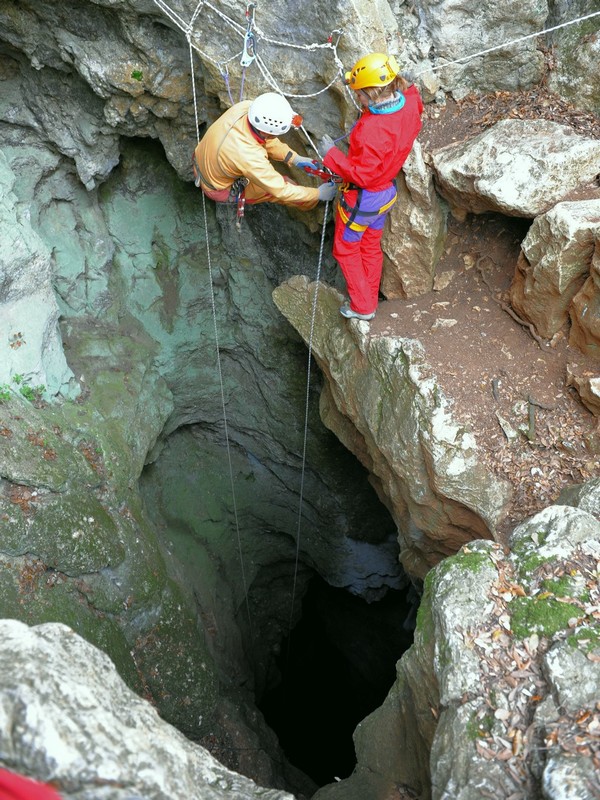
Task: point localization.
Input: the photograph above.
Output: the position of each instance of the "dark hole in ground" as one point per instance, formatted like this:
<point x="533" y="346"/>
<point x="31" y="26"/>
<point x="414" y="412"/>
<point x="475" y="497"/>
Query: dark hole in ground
<point x="337" y="667"/>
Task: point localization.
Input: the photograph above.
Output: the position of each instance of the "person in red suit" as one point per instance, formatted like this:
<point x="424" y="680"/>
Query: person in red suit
<point x="379" y="145"/>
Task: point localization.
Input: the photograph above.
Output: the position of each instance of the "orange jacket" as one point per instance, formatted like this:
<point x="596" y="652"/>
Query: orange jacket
<point x="230" y="149"/>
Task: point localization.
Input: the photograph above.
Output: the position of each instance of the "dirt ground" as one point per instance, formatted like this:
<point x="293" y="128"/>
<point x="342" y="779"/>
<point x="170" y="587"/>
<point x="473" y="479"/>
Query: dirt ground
<point x="531" y="429"/>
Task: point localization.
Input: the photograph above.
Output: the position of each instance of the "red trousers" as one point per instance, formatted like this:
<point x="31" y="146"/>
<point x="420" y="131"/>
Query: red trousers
<point x="361" y="261"/>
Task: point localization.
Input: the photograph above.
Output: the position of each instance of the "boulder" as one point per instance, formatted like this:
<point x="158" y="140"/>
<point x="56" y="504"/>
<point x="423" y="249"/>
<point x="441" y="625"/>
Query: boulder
<point x="68" y="718"/>
<point x="517" y="167"/>
<point x="384" y="406"/>
<point x="414" y="237"/>
<point x="555" y="260"/>
<point x="454" y="32"/>
<point x="504" y="697"/>
<point x="585" y="310"/>
<point x="587" y="385"/>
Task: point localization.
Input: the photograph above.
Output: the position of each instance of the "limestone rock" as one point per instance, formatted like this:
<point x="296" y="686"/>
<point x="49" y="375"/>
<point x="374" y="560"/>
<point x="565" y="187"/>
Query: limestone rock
<point x="455" y="32"/>
<point x="576" y="54"/>
<point x="519" y="168"/>
<point x="423" y="464"/>
<point x="503" y="638"/>
<point x="588" y="387"/>
<point x="30" y="340"/>
<point x="67" y="717"/>
<point x="585" y="310"/>
<point x="555" y="259"/>
<point x="414" y="238"/>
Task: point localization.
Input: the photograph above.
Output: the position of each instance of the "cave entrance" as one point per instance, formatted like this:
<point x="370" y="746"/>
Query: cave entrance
<point x="335" y="668"/>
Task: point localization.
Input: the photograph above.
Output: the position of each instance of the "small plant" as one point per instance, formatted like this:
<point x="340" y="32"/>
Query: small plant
<point x="137" y="75"/>
<point x="31" y="393"/>
<point x="4" y="393"/>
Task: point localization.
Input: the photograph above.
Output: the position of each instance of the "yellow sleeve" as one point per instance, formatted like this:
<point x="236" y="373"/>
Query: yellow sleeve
<point x="259" y="170"/>
<point x="279" y="151"/>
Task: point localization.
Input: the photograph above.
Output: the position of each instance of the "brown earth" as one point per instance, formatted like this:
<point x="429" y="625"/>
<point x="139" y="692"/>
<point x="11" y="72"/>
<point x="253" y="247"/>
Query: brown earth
<point x="508" y="386"/>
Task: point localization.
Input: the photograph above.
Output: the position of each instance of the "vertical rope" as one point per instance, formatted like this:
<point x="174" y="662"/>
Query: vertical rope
<point x="224" y="411"/>
<point x="306" y="414"/>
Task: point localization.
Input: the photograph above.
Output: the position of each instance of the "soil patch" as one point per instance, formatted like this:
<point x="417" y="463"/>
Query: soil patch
<point x="510" y="389"/>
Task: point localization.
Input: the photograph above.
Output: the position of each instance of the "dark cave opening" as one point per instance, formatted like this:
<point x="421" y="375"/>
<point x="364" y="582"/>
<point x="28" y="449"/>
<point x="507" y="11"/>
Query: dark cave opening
<point x="336" y="667"/>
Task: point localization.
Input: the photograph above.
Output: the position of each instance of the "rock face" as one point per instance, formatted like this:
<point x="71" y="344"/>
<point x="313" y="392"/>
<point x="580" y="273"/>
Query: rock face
<point x="517" y="168"/>
<point x="414" y="237"/>
<point x="28" y="308"/>
<point x="382" y="403"/>
<point x="585" y="310"/>
<point x="503" y="680"/>
<point x="576" y="54"/>
<point x="59" y="694"/>
<point x="555" y="260"/>
<point x="455" y="33"/>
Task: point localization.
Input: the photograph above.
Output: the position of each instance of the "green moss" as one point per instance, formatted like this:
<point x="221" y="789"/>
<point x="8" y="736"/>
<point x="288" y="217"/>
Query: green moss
<point x="533" y="615"/>
<point x="479" y="727"/>
<point x="586" y="639"/>
<point x="566" y="586"/>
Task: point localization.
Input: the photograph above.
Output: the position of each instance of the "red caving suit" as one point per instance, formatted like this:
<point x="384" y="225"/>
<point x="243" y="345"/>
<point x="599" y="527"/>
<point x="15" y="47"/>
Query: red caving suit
<point x="379" y="145"/>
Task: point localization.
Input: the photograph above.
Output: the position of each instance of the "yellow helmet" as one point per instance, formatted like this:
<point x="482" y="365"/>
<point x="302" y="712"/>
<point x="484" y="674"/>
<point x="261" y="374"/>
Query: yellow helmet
<point x="376" y="69"/>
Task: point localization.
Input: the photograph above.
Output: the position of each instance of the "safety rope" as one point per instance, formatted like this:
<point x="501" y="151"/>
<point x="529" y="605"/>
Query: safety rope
<point x="225" y="425"/>
<point x="508" y="44"/>
<point x="306" y="413"/>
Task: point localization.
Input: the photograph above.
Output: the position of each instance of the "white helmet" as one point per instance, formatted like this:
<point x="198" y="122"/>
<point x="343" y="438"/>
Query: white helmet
<point x="271" y="113"/>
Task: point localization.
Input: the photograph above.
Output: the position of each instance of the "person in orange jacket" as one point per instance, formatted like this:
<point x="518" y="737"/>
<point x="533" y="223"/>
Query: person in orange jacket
<point x="379" y="144"/>
<point x="238" y="147"/>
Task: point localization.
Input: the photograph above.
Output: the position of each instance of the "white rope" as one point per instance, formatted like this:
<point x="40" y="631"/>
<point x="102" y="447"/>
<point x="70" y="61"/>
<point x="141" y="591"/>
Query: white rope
<point x="306" y="413"/>
<point x="224" y="411"/>
<point x="508" y="44"/>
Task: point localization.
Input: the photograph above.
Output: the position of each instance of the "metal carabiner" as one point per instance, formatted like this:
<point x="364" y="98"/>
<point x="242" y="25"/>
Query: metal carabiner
<point x="249" y="53"/>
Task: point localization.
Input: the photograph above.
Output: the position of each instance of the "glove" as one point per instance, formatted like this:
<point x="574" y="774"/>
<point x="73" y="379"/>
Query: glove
<point x="327" y="191"/>
<point x="302" y="162"/>
<point x="325" y="145"/>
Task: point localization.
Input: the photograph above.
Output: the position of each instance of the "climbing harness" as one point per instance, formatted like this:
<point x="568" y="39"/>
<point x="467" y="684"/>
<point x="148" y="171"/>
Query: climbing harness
<point x="238" y="196"/>
<point x="349" y="213"/>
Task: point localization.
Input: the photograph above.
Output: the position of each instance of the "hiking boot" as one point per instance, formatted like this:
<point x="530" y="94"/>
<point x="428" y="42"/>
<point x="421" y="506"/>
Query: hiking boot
<point x="347" y="312"/>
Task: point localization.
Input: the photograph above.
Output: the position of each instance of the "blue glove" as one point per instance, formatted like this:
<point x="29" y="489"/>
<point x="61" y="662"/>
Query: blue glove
<point x="327" y="191"/>
<point x="302" y="161"/>
<point x="325" y="145"/>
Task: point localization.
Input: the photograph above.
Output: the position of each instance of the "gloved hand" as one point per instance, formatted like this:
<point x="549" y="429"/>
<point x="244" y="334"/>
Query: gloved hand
<point x="325" y="145"/>
<point x="327" y="191"/>
<point x="302" y="161"/>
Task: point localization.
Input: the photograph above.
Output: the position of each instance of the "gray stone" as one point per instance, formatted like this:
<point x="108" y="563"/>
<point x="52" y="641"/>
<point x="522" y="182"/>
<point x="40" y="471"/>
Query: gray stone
<point x="585" y="310"/>
<point x="575" y="54"/>
<point x="588" y="387"/>
<point x="455" y="32"/>
<point x="383" y="405"/>
<point x="414" y="238"/>
<point x="520" y="168"/>
<point x="67" y="717"/>
<point x="556" y="258"/>
<point x="31" y="348"/>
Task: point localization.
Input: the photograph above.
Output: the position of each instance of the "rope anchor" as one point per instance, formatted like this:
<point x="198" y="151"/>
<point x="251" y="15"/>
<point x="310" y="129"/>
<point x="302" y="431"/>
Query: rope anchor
<point x="250" y="43"/>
